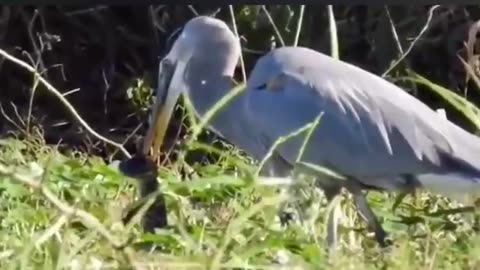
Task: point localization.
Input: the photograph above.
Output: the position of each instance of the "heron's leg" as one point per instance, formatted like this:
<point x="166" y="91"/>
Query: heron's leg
<point x="276" y="166"/>
<point x="285" y="216"/>
<point x="332" y="236"/>
<point x="367" y="214"/>
<point x="331" y="190"/>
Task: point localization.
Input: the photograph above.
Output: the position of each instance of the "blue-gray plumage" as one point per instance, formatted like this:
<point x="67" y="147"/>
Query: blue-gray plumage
<point x="371" y="131"/>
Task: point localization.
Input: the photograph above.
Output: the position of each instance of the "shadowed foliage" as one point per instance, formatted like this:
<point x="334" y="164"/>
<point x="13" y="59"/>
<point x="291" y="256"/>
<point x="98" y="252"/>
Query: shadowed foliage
<point x="110" y="55"/>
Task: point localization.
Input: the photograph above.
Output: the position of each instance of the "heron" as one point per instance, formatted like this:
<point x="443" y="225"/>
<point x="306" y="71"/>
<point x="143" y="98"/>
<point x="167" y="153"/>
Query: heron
<point x="372" y="132"/>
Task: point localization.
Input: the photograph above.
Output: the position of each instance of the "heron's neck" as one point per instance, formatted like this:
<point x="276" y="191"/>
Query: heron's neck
<point x="206" y="89"/>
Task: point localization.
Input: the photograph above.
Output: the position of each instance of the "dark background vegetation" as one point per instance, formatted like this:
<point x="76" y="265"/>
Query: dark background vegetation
<point x="106" y="50"/>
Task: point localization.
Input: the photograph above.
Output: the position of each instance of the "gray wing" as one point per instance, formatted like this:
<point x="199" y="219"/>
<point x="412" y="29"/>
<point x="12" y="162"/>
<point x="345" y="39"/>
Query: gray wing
<point x="369" y="129"/>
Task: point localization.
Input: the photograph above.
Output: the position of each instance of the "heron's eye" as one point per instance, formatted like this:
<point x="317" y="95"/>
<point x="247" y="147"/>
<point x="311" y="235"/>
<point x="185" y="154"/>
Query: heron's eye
<point x="275" y="84"/>
<point x="261" y="87"/>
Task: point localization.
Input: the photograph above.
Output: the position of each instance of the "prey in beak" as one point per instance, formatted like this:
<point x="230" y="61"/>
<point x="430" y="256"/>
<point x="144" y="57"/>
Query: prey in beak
<point x="170" y="86"/>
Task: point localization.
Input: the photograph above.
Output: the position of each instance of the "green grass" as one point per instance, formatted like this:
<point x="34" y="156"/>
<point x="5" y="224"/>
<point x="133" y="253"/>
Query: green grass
<point x="218" y="219"/>
<point x="64" y="211"/>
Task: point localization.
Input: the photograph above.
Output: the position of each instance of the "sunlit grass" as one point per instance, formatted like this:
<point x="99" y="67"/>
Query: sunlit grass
<point x="220" y="217"/>
<point x="217" y="218"/>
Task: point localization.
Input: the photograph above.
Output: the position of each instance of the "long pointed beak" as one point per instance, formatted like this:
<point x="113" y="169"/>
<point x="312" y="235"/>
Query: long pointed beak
<point x="168" y="90"/>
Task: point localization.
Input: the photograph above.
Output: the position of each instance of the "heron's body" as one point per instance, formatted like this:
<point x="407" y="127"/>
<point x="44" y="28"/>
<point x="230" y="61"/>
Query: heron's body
<point x="371" y="131"/>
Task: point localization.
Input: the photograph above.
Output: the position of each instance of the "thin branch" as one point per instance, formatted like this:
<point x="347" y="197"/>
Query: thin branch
<point x="399" y="44"/>
<point x="129" y="136"/>
<point x="71" y="92"/>
<point x="299" y="25"/>
<point x="87" y="10"/>
<point x="39" y="62"/>
<point x="105" y="92"/>
<point x="394" y="31"/>
<point x="424" y="29"/>
<point x="156" y="24"/>
<point x="251" y="51"/>
<point x="7" y="117"/>
<point x="470" y="72"/>
<point x="192" y="9"/>
<point x="17" y="114"/>
<point x="65" y="102"/>
<point x="242" y="63"/>
<point x="472" y="38"/>
<point x="333" y="33"/>
<point x="270" y="19"/>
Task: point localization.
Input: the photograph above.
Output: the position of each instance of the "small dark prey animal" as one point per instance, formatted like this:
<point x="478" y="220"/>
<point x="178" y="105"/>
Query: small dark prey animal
<point x="144" y="171"/>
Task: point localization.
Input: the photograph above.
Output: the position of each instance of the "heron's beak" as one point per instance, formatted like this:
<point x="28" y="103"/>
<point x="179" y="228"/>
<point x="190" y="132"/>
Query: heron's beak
<point x="170" y="83"/>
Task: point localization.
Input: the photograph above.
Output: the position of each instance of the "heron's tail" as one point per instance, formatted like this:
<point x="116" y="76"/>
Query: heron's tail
<point x="456" y="186"/>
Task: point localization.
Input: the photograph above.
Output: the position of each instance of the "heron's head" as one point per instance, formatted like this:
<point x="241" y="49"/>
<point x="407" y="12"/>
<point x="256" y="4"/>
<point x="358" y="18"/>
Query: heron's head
<point x="206" y="45"/>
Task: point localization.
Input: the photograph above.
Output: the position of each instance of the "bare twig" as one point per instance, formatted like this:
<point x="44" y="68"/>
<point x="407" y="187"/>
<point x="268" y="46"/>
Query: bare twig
<point x="129" y="136"/>
<point x="71" y="92"/>
<point x="192" y="9"/>
<point x="333" y="33"/>
<point x="242" y="63"/>
<point x="10" y="119"/>
<point x="270" y="19"/>
<point x="424" y="29"/>
<point x="17" y="114"/>
<point x="257" y="52"/>
<point x="30" y="103"/>
<point x="65" y="102"/>
<point x="38" y="63"/>
<point x="399" y="44"/>
<point x="105" y="92"/>
<point x="156" y="24"/>
<point x="471" y="72"/>
<point x="472" y="36"/>
<point x="394" y="31"/>
<point x="471" y="58"/>
<point x="38" y="51"/>
<point x="299" y="25"/>
<point x="87" y="10"/>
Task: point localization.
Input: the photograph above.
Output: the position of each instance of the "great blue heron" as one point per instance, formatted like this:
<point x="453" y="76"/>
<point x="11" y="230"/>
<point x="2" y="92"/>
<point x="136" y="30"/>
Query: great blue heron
<point x="372" y="132"/>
